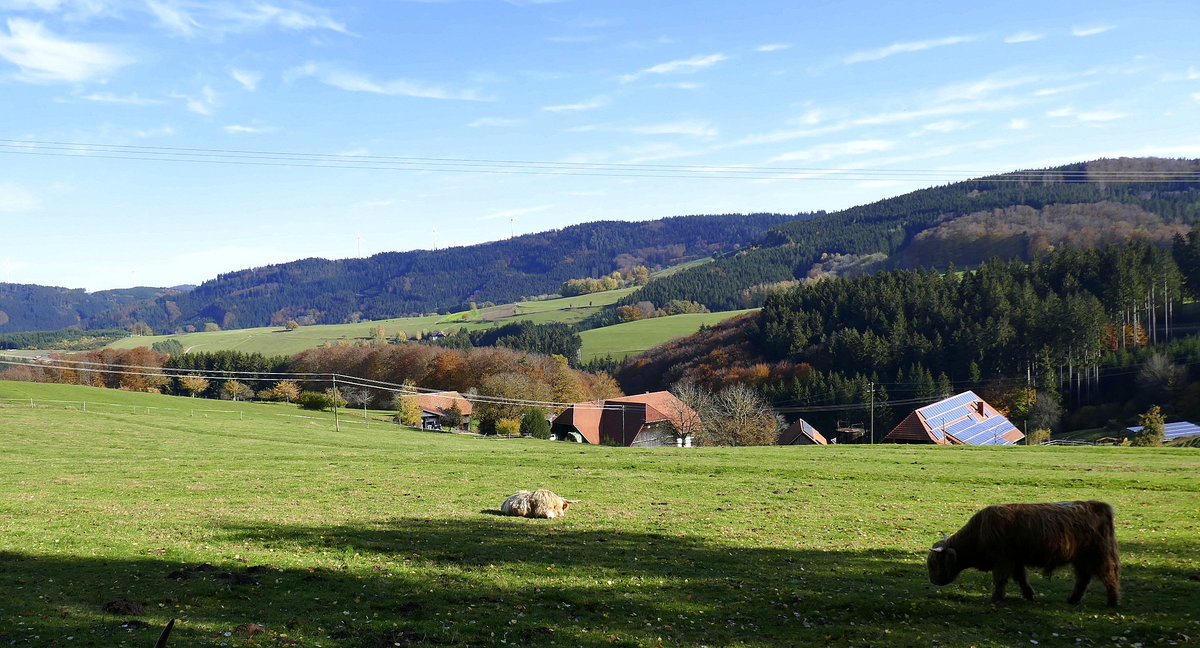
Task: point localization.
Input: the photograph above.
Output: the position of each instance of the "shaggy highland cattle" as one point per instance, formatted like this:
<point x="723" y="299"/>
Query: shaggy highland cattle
<point x="1007" y="538"/>
<point x="536" y="504"/>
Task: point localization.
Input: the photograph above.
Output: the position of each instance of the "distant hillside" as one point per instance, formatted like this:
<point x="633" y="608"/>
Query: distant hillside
<point x="391" y="284"/>
<point x="27" y="307"/>
<point x="1017" y="215"/>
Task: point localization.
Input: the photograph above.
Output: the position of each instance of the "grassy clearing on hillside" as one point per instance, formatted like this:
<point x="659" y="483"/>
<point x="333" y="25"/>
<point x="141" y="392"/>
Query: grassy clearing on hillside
<point x="386" y="536"/>
<point x="275" y="340"/>
<point x="631" y="338"/>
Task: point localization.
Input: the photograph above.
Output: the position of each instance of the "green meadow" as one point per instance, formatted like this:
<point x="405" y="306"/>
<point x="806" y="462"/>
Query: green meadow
<point x="619" y="341"/>
<point x="276" y="340"/>
<point x="262" y="530"/>
<point x="632" y="338"/>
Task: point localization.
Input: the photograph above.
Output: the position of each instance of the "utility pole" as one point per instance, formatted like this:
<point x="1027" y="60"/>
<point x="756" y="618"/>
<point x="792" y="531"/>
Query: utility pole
<point x="337" y="425"/>
<point x="872" y="413"/>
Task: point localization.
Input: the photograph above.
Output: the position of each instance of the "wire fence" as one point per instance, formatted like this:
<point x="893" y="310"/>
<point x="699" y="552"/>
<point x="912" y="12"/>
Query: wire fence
<point x="99" y="407"/>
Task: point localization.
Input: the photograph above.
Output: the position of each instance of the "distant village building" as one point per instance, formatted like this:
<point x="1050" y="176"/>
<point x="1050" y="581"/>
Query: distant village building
<point x="965" y="419"/>
<point x="653" y="419"/>
<point x="801" y="433"/>
<point x="435" y="405"/>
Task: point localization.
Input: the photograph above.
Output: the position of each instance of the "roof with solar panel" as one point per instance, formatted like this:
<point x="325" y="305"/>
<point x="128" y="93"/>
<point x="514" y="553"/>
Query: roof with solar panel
<point x="963" y="419"/>
<point x="1173" y="431"/>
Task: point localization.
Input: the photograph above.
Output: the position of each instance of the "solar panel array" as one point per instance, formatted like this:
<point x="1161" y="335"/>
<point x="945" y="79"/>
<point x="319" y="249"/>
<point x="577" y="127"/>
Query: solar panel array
<point x="958" y="417"/>
<point x="1175" y="430"/>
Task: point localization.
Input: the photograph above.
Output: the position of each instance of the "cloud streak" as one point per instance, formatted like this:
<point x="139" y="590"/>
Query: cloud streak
<point x="44" y="57"/>
<point x="681" y="66"/>
<point x="355" y="82"/>
<point x="1092" y="30"/>
<point x="904" y="48"/>
<point x="587" y="104"/>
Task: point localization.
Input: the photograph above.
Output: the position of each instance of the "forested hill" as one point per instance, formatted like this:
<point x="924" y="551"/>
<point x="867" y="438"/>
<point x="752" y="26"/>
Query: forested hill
<point x="27" y="307"/>
<point x="398" y="283"/>
<point x="1019" y="215"/>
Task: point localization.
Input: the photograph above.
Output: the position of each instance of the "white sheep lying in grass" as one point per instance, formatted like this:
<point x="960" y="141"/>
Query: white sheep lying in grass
<point x="536" y="504"/>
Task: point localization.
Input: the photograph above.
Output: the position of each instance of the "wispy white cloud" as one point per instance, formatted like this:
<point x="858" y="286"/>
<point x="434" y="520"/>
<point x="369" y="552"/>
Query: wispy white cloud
<point x="982" y="88"/>
<point x="681" y="66"/>
<point x="692" y="127"/>
<point x="248" y="79"/>
<point x="173" y="17"/>
<point x="1018" y="124"/>
<point x="161" y="131"/>
<point x="680" y="85"/>
<point x="133" y="99"/>
<point x="202" y="104"/>
<point x="355" y="82"/>
<point x="1049" y="92"/>
<point x="495" y="121"/>
<point x="1091" y="30"/>
<point x="238" y="129"/>
<point x="1024" y="37"/>
<point x="772" y="47"/>
<point x="1192" y="74"/>
<point x="15" y="198"/>
<point x="946" y="126"/>
<point x="299" y="17"/>
<point x="1086" y="116"/>
<point x="1196" y="97"/>
<point x="587" y="104"/>
<point x="902" y="48"/>
<point x="823" y="152"/>
<point x="44" y="57"/>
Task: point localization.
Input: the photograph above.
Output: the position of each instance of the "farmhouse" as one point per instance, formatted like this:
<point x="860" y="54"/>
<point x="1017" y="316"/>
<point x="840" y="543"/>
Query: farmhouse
<point x="435" y="405"/>
<point x="801" y="433"/>
<point x="652" y="419"/>
<point x="965" y="419"/>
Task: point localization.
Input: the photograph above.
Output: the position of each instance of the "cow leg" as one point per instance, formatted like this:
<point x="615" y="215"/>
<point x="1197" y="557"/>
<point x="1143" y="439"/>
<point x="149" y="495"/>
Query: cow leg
<point x="1083" y="576"/>
<point x="1000" y="575"/>
<point x="1110" y="576"/>
<point x="1018" y="574"/>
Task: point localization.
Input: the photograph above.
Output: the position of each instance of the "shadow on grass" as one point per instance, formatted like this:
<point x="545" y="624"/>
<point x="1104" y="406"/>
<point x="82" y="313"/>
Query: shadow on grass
<point x="495" y="582"/>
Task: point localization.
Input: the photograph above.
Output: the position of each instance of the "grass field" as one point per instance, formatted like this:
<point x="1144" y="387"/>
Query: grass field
<point x="275" y="340"/>
<point x="385" y="536"/>
<point x="630" y="338"/>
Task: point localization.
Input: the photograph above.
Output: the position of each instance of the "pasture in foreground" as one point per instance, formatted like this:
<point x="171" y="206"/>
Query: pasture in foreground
<point x="386" y="536"/>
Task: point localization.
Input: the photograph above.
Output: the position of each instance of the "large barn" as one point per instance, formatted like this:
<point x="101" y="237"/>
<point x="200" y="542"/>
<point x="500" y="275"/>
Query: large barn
<point x="651" y="419"/>
<point x="965" y="419"/>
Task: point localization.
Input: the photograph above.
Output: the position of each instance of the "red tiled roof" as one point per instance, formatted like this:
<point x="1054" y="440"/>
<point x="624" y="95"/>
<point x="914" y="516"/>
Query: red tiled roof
<point x="439" y="403"/>
<point x="801" y="428"/>
<point x="598" y="421"/>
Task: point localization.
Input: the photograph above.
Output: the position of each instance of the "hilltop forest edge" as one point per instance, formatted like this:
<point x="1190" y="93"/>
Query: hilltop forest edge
<point x="1072" y="289"/>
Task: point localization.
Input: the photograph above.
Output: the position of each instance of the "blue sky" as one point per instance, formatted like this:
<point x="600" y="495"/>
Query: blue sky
<point x="379" y="126"/>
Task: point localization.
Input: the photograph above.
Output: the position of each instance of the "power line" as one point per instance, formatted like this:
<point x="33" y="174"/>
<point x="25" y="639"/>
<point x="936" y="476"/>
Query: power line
<point x="530" y="167"/>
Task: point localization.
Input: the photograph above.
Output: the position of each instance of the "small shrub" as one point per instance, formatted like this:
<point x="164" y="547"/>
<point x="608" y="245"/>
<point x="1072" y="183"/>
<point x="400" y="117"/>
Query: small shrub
<point x="508" y="427"/>
<point x="315" y="401"/>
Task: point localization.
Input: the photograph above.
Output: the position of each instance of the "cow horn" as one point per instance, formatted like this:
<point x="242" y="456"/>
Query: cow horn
<point x="573" y="501"/>
<point x="938" y="549"/>
<point x="945" y="538"/>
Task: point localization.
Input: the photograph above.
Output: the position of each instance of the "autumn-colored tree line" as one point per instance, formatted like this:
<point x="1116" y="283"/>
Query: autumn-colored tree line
<point x="497" y="372"/>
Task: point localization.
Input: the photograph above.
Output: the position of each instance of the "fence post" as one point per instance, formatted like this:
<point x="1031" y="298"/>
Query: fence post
<point x="30" y="403"/>
<point x="85" y="406"/>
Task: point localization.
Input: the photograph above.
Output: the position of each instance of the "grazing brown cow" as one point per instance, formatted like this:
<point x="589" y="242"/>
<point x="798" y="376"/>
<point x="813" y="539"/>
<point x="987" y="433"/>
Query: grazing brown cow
<point x="1007" y="538"/>
<point x="536" y="504"/>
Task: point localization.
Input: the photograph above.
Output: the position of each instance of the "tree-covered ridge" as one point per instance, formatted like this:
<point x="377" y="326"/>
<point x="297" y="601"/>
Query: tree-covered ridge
<point x="1051" y="321"/>
<point x="1114" y="193"/>
<point x="401" y="283"/>
<point x="28" y="307"/>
